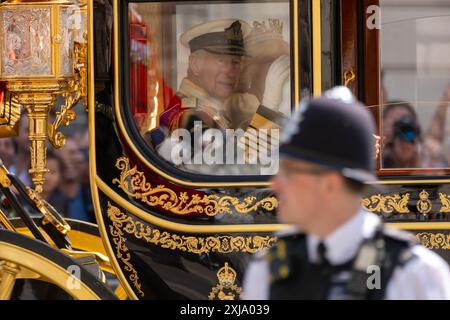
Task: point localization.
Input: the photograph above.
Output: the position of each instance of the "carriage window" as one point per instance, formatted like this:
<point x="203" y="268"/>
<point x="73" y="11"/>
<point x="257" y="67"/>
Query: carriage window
<point x="210" y="83"/>
<point x="415" y="61"/>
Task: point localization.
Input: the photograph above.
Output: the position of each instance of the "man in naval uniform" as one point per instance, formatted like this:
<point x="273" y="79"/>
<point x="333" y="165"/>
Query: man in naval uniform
<point x="209" y="92"/>
<point x="216" y="49"/>
<point x="211" y="85"/>
<point x="336" y="249"/>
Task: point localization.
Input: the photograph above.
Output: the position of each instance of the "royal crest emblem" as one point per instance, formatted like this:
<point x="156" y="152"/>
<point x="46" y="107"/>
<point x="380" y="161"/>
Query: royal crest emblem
<point x="234" y="32"/>
<point x="226" y="289"/>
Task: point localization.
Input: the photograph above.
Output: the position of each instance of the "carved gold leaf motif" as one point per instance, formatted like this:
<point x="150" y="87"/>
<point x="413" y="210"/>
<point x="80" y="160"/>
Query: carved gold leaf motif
<point x="434" y="240"/>
<point x="134" y="183"/>
<point x="445" y="202"/>
<point x="387" y="203"/>
<point x="185" y="243"/>
<point x="122" y="223"/>
<point x="122" y="253"/>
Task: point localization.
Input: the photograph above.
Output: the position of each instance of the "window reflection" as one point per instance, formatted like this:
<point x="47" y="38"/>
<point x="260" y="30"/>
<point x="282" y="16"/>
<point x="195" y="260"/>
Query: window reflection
<point x="194" y="68"/>
<point x="415" y="61"/>
<point x="410" y="141"/>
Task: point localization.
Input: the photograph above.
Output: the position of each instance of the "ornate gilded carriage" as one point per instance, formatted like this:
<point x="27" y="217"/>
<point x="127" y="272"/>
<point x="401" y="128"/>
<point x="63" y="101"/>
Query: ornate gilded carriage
<point x="171" y="233"/>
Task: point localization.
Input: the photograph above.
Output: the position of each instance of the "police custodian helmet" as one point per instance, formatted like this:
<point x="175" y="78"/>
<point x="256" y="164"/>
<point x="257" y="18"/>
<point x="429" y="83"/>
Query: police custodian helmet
<point x="335" y="131"/>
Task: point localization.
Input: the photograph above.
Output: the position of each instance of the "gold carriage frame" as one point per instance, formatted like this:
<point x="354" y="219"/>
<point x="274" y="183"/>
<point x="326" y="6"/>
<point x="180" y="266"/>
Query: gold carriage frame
<point x="98" y="184"/>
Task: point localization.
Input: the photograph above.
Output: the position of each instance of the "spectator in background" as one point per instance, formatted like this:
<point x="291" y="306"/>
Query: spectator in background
<point x="8" y="150"/>
<point x="406" y="145"/>
<point x="53" y="179"/>
<point x="74" y="184"/>
<point x="22" y="160"/>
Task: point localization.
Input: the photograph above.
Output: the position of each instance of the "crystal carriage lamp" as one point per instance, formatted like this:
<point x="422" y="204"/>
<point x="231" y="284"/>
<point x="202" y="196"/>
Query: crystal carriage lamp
<point x="36" y="39"/>
<point x="36" y="61"/>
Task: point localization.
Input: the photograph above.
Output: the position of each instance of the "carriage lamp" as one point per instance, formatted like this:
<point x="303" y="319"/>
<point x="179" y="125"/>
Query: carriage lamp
<point x="37" y="63"/>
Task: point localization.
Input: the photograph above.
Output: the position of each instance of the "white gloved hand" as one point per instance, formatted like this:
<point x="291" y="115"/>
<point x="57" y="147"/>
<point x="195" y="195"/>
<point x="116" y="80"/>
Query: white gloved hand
<point x="276" y="77"/>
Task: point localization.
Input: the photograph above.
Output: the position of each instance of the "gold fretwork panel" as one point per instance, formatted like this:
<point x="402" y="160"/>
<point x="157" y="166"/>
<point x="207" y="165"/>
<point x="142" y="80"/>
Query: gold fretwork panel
<point x="123" y="224"/>
<point x="434" y="240"/>
<point x="387" y="203"/>
<point x="226" y="289"/>
<point x="445" y="202"/>
<point x="134" y="183"/>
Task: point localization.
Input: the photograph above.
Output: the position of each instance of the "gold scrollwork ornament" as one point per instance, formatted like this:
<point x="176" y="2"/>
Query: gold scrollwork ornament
<point x="445" y="203"/>
<point x="387" y="203"/>
<point x="123" y="224"/>
<point x="76" y="91"/>
<point x="226" y="289"/>
<point x="134" y="183"/>
<point x="431" y="240"/>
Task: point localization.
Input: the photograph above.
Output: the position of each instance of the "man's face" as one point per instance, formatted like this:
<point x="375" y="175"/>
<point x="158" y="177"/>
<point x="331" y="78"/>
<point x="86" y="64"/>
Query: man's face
<point x="298" y="186"/>
<point x="406" y="152"/>
<point x="74" y="161"/>
<point x="218" y="74"/>
<point x="388" y="123"/>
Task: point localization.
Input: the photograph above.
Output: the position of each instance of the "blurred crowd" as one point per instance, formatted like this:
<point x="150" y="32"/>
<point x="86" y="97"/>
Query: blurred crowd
<point x="67" y="182"/>
<point x="408" y="142"/>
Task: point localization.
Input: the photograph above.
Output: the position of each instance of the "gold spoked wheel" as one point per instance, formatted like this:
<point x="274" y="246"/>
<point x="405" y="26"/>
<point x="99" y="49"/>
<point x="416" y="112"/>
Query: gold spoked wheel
<point x="84" y="236"/>
<point x="24" y="258"/>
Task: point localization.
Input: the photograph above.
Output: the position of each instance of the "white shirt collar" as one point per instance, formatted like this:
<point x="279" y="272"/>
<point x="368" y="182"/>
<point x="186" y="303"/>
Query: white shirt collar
<point x="343" y="243"/>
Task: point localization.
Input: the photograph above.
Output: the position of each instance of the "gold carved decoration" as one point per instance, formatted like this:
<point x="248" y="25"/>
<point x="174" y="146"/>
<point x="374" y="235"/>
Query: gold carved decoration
<point x="76" y="91"/>
<point x="349" y="76"/>
<point x="122" y="251"/>
<point x="434" y="240"/>
<point x="38" y="98"/>
<point x="122" y="223"/>
<point x="226" y="289"/>
<point x="9" y="114"/>
<point x="185" y="243"/>
<point x="377" y="145"/>
<point x="387" y="203"/>
<point x="445" y="202"/>
<point x="135" y="184"/>
<point x="424" y="204"/>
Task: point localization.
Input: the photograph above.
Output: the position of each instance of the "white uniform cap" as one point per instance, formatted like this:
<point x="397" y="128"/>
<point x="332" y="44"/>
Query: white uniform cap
<point x="218" y="36"/>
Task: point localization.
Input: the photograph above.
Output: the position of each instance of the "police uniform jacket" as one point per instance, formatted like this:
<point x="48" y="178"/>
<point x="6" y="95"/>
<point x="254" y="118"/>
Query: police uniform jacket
<point x="423" y="275"/>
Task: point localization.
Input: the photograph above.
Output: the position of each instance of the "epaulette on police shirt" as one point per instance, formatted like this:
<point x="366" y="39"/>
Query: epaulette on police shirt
<point x="287" y="255"/>
<point x="401" y="239"/>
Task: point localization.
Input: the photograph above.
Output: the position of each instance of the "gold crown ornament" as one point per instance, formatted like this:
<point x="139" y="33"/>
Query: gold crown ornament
<point x="226" y="276"/>
<point x="263" y="31"/>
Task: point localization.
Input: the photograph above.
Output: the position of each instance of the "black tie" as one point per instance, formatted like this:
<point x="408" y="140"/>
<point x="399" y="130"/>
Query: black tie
<point x="322" y="254"/>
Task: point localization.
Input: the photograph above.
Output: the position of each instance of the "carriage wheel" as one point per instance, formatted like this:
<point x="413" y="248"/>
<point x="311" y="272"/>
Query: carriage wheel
<point x="22" y="257"/>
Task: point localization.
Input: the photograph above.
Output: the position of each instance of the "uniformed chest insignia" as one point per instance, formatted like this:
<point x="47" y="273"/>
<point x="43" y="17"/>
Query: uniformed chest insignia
<point x="189" y="102"/>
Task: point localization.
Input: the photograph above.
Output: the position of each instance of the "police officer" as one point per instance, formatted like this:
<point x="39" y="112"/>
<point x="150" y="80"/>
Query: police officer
<point x="336" y="249"/>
